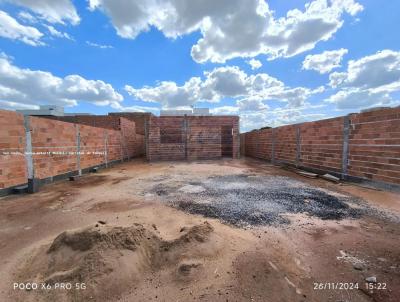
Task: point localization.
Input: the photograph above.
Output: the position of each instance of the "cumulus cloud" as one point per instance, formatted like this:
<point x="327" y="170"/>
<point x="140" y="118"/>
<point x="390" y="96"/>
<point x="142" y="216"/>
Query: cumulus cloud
<point x="324" y="62"/>
<point x="53" y="11"/>
<point x="223" y="82"/>
<point x="231" y="28"/>
<point x="369" y="81"/>
<point x="251" y="104"/>
<point x="255" y="64"/>
<point x="10" y="28"/>
<point x="27" y="88"/>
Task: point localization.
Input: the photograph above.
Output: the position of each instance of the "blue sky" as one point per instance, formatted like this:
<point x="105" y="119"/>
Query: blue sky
<point x="272" y="62"/>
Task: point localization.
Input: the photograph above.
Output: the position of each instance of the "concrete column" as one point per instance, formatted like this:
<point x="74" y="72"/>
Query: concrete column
<point x="33" y="183"/>
<point x="78" y="150"/>
<point x="345" y="152"/>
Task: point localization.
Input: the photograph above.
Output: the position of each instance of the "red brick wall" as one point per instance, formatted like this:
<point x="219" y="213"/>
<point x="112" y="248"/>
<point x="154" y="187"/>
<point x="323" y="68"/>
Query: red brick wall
<point x="285" y="144"/>
<point x="55" y="137"/>
<point x="12" y="139"/>
<point x="54" y="146"/>
<point x="140" y="119"/>
<point x="374" y="145"/>
<point x="200" y="140"/>
<point x="204" y="136"/>
<point x="100" y="121"/>
<point x="322" y="144"/>
<point x="140" y="146"/>
<point x="130" y="140"/>
<point x="259" y="144"/>
<point x="92" y="146"/>
<point x="164" y="151"/>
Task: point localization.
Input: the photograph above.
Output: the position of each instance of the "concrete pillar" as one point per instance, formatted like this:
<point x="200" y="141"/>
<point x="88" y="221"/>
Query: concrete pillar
<point x="345" y="152"/>
<point x="33" y="183"/>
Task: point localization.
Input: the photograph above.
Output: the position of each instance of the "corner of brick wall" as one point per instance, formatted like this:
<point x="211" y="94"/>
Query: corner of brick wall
<point x="55" y="146"/>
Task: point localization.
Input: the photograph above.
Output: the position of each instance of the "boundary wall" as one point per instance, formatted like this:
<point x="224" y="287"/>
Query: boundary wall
<point x="35" y="150"/>
<point x="358" y="147"/>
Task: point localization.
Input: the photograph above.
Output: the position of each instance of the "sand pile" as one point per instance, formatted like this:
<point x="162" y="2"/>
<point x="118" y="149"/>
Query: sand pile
<point x="112" y="259"/>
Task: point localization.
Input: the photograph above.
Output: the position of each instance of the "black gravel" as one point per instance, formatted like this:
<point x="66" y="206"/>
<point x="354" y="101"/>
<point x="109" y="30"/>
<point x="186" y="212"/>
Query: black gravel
<point x="259" y="200"/>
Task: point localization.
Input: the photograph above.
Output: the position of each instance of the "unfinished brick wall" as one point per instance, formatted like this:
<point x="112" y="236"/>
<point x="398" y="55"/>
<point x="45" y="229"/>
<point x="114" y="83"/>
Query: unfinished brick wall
<point x="12" y="147"/>
<point x="100" y="121"/>
<point x="259" y="144"/>
<point x="140" y="146"/>
<point x="93" y="146"/>
<point x="140" y="119"/>
<point x="321" y="144"/>
<point x="285" y="139"/>
<point x="373" y="140"/>
<point x="133" y="143"/>
<point x="192" y="137"/>
<point x="60" y="147"/>
<point x="205" y="140"/>
<point x="162" y="150"/>
<point x="97" y="146"/>
<point x="49" y="136"/>
<point x="374" y="145"/>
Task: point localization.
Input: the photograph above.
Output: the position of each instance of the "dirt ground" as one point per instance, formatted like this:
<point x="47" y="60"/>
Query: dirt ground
<point x="229" y="230"/>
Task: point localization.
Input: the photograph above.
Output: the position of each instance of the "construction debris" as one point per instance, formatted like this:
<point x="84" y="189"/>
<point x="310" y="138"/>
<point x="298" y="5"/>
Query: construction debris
<point x="330" y="178"/>
<point x="307" y="174"/>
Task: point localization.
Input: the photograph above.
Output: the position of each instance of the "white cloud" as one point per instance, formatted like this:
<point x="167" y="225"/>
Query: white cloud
<point x="135" y="108"/>
<point x="255" y="64"/>
<point x="369" y="81"/>
<point x="27" y="87"/>
<point x="168" y="93"/>
<point x="53" y="11"/>
<point x="10" y="28"/>
<point x="101" y="46"/>
<point x="354" y="98"/>
<point x="377" y="71"/>
<point x="224" y="82"/>
<point x="225" y="110"/>
<point x="231" y="28"/>
<point x="54" y="32"/>
<point x="27" y="17"/>
<point x="324" y="62"/>
<point x="276" y="117"/>
<point x="251" y="104"/>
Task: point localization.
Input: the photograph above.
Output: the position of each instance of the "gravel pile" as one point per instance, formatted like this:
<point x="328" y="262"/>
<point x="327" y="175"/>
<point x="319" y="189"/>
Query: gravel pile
<point x="258" y="200"/>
